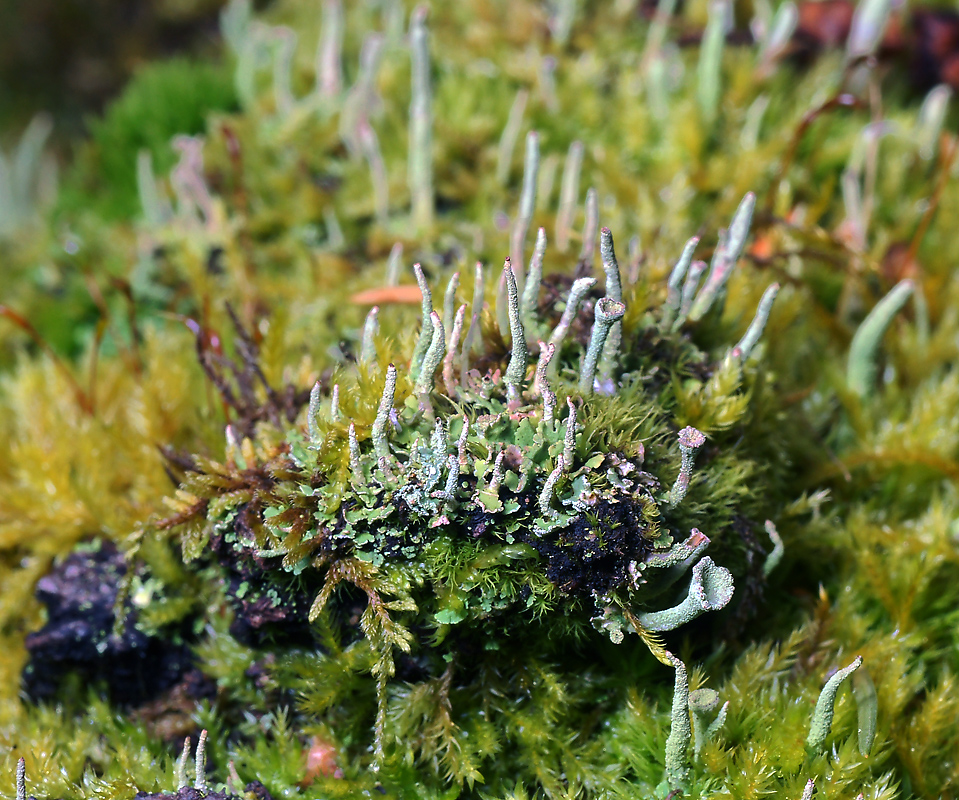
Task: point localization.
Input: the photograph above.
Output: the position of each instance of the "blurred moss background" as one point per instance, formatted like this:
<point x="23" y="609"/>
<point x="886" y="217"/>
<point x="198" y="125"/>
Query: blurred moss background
<point x="70" y="57"/>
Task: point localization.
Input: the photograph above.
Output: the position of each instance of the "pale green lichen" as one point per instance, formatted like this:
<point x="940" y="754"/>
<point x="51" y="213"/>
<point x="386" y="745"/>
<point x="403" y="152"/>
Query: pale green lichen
<point x="822" y="717"/>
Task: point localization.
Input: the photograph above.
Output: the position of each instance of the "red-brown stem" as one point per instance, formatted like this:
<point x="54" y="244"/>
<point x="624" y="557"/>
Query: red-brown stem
<point x="840" y="100"/>
<point x="946" y="158"/>
<point x="83" y="400"/>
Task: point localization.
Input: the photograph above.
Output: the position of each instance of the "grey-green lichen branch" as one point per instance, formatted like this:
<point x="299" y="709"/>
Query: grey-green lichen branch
<point x="690" y="440"/>
<point x="608" y="312"/>
<point x="710" y="589"/>
<point x="825" y="707"/>
<point x="861" y="369"/>
<point x="680" y="729"/>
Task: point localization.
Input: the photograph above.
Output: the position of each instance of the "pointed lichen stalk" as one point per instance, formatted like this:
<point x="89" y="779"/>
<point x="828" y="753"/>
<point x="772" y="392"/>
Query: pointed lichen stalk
<point x="568" y="194"/>
<point x="690" y="440"/>
<point x="541" y="385"/>
<point x="825" y="708"/>
<point x="527" y="204"/>
<point x="449" y="379"/>
<point x="549" y="488"/>
<point x="856" y="216"/>
<point x="21" y="779"/>
<point x="867" y="704"/>
<point x="690" y="285"/>
<point x="179" y="773"/>
<point x="452" y="477"/>
<point x="547" y="83"/>
<point x="449" y="301"/>
<point x="462" y="456"/>
<point x="680" y="730"/>
<point x="187" y="179"/>
<point x="808" y="790"/>
<point x="438" y="438"/>
<point x="758" y="325"/>
<point x="866" y="30"/>
<point x="590" y="227"/>
<point x="362" y="99"/>
<point x="710" y="589"/>
<point x="200" y="773"/>
<point x="496" y="478"/>
<point x="709" y="70"/>
<point x="657" y="32"/>
<point x="727" y="256"/>
<point x="507" y="140"/>
<point x="284" y="40"/>
<point x="421" y="123"/>
<point x="476" y="309"/>
<point x="776" y="554"/>
<point x="674" y="285"/>
<point x="608" y="311"/>
<point x="752" y="123"/>
<point x="329" y="61"/>
<point x="356" y="464"/>
<point x="932" y="116"/>
<point x="426" y="324"/>
<point x="614" y="290"/>
<point x="579" y="289"/>
<point x="312" y="412"/>
<point x="515" y="374"/>
<point x="569" y="439"/>
<point x="394" y="264"/>
<point x="534" y="279"/>
<point x="381" y="446"/>
<point x="369" y="145"/>
<point x="614" y="283"/>
<point x="233" y="783"/>
<point x="432" y="359"/>
<point x="777" y="38"/>
<point x="368" y="344"/>
<point x="335" y="403"/>
<point x="861" y="367"/>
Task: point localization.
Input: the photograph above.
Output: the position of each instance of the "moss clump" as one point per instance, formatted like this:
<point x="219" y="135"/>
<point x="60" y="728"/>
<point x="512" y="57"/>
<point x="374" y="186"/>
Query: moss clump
<point x="475" y="514"/>
<point x="160" y="101"/>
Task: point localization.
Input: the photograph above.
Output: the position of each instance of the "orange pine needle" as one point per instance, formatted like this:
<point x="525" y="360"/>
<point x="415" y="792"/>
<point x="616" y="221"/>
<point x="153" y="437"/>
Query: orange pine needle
<point x="383" y="295"/>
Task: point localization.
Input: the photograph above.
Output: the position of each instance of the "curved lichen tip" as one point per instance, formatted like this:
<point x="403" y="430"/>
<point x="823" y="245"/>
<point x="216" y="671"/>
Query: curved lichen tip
<point x="861" y="366"/>
<point x="728" y="252"/>
<point x="825" y="707"/>
<point x="758" y="325"/>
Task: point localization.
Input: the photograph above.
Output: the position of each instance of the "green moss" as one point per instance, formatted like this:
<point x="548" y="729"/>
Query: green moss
<point x="162" y="100"/>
